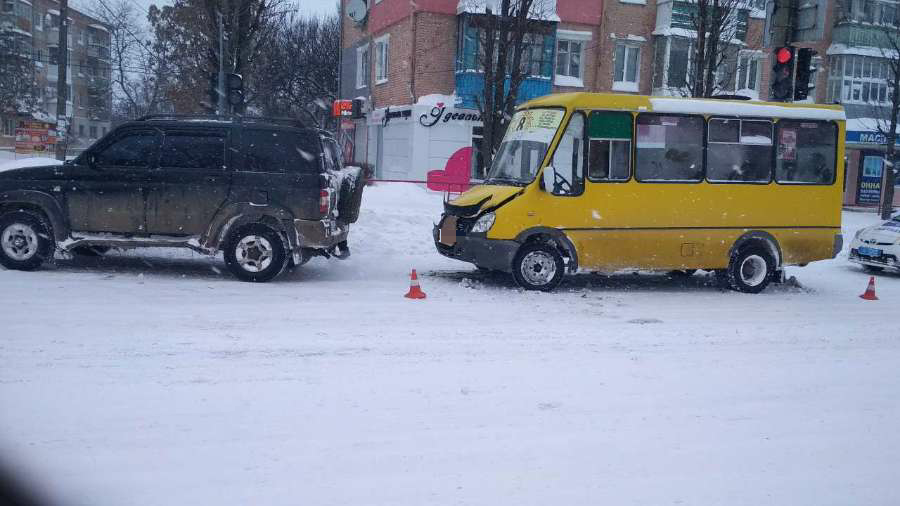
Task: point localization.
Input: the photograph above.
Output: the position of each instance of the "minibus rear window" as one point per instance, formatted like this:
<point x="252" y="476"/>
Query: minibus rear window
<point x="669" y="148"/>
<point x="805" y="151"/>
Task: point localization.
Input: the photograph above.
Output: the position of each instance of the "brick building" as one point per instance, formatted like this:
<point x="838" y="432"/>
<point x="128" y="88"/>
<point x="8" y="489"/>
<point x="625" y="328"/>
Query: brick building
<point x="34" y="25"/>
<point x="415" y="64"/>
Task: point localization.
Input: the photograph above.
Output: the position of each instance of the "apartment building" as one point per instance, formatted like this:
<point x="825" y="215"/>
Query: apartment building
<point x="34" y="25"/>
<point x="416" y="65"/>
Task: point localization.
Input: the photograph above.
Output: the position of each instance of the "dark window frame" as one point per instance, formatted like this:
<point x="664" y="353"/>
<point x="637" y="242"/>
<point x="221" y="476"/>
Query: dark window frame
<point x="772" y="150"/>
<point x="634" y="163"/>
<point x="632" y="150"/>
<point x="837" y="133"/>
<point x="240" y="162"/>
<point x="584" y="155"/>
<point x="127" y="132"/>
<point x="201" y="132"/>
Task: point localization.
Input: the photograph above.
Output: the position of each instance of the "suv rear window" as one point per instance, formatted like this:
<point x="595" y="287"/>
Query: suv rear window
<point x="280" y="151"/>
<point x="193" y="150"/>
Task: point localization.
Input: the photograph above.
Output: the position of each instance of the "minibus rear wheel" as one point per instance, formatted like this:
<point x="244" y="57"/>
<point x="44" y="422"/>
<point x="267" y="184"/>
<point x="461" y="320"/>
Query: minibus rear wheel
<point x="751" y="269"/>
<point x="538" y="266"/>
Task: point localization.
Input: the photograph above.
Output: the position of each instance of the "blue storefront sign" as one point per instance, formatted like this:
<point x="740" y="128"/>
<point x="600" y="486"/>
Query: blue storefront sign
<point x="869" y="192"/>
<point x="863" y="137"/>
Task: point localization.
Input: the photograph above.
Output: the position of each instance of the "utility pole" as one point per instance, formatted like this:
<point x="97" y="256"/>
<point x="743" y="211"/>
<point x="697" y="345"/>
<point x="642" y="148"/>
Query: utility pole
<point x="62" y="89"/>
<point x="223" y="102"/>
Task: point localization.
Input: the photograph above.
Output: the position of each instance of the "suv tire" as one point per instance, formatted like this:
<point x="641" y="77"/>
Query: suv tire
<point x="538" y="266"/>
<point x="255" y="253"/>
<point x="750" y="270"/>
<point x="25" y="241"/>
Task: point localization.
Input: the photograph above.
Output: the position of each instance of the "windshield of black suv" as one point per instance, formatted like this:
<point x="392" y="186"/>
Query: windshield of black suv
<point x="527" y="139"/>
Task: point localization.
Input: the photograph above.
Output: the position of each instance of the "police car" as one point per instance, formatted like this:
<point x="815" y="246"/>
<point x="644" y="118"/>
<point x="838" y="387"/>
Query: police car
<point x="878" y="246"/>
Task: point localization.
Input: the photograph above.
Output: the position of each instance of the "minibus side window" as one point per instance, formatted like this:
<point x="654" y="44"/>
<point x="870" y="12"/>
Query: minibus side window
<point x="669" y="148"/>
<point x="609" y="149"/>
<point x="568" y="159"/>
<point x="805" y="152"/>
<point x="739" y="151"/>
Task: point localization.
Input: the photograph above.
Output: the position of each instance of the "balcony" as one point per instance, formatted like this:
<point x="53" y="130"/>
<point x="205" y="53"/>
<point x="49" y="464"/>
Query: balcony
<point x="98" y="51"/>
<point x="859" y="34"/>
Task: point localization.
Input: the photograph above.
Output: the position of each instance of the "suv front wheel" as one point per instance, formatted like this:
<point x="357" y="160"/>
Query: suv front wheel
<point x="255" y="253"/>
<point x="25" y="241"/>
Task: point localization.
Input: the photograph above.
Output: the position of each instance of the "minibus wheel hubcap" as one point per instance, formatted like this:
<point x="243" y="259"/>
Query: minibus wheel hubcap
<point x="753" y="270"/>
<point x="538" y="267"/>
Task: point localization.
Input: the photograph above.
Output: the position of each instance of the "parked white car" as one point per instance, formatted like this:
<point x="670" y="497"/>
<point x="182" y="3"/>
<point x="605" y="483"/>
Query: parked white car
<point x="877" y="247"/>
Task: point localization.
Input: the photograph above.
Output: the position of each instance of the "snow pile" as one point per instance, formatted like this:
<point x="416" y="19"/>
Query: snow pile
<point x="434" y="99"/>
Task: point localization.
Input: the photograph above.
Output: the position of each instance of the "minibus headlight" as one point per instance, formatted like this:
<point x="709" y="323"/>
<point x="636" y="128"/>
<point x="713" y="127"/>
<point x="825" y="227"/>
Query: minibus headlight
<point x="484" y="223"/>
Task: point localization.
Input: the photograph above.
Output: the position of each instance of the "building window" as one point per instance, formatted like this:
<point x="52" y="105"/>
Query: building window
<point x="537" y="54"/>
<point x="37" y="20"/>
<point x="81" y="130"/>
<point x="9" y="127"/>
<point x="93" y="132"/>
<point x="382" y="52"/>
<point x="568" y="62"/>
<point x="858" y="80"/>
<point x="748" y="75"/>
<point x="362" y="66"/>
<point x="627" y="71"/>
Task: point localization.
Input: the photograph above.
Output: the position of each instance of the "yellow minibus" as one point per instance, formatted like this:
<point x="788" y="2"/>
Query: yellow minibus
<point x="608" y="182"/>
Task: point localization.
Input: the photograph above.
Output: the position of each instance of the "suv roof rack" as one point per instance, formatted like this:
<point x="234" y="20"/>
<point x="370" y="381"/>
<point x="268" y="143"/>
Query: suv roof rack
<point x="235" y="119"/>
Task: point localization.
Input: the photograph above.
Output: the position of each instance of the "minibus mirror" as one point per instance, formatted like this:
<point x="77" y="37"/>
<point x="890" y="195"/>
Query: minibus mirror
<point x="547" y="178"/>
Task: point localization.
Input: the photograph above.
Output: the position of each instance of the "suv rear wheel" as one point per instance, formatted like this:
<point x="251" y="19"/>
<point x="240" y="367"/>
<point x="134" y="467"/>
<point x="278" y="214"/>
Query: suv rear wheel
<point x="255" y="253"/>
<point x="25" y="241"/>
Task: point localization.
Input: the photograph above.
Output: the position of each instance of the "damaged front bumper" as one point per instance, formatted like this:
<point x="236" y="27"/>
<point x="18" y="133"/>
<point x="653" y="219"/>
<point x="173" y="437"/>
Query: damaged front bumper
<point x="475" y="248"/>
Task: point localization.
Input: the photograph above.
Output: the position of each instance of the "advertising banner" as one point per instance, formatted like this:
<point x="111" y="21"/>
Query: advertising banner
<point x="35" y="138"/>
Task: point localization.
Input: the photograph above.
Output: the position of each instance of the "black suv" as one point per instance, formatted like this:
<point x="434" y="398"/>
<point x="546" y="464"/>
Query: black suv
<point x="264" y="192"/>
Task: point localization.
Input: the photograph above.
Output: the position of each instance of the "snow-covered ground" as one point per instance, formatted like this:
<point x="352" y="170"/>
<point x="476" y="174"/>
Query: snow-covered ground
<point x="155" y="378"/>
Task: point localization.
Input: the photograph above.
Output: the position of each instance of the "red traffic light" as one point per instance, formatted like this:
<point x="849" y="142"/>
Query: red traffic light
<point x="783" y="55"/>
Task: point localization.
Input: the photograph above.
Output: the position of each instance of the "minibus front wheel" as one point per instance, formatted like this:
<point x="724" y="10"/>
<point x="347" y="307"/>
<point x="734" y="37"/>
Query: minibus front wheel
<point x="538" y="266"/>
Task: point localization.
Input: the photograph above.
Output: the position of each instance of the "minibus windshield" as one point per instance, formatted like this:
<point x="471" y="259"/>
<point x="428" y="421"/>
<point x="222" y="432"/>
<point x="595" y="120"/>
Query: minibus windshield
<point x="524" y="146"/>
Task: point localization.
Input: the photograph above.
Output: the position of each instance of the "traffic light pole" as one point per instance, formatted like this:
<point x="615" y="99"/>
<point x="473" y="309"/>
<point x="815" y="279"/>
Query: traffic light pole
<point x="222" y="108"/>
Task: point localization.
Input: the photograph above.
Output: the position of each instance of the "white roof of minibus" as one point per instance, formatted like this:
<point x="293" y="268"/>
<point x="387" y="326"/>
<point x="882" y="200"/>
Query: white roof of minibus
<point x="706" y="106"/>
<point x="739" y="108"/>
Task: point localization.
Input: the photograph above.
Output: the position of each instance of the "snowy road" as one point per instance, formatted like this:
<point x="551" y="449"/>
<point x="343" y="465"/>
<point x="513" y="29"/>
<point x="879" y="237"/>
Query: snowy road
<point x="156" y="379"/>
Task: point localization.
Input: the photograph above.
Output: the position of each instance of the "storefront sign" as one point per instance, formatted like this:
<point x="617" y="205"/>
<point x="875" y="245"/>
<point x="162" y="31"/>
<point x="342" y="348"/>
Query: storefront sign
<point x="441" y="114"/>
<point x="35" y="138"/>
<point x="869" y="192"/>
<point x="859" y="137"/>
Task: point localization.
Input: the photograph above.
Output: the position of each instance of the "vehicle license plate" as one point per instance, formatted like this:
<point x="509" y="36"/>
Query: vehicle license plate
<point x="869" y="252"/>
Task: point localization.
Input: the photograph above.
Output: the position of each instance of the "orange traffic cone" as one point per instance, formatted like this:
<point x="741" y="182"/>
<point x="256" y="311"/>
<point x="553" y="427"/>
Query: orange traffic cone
<point x="870" y="291"/>
<point x="415" y="292"/>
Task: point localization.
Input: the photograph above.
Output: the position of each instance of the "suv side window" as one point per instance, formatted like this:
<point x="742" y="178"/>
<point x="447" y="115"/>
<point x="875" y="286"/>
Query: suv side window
<point x="193" y="150"/>
<point x="137" y="148"/>
<point x="332" y="153"/>
<point x="280" y="151"/>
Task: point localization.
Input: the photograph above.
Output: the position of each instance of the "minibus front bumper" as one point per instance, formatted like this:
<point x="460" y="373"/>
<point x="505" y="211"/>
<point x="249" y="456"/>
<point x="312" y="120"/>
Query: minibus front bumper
<point x="494" y="254"/>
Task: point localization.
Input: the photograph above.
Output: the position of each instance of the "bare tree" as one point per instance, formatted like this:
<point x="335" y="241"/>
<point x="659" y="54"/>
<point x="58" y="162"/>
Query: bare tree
<point x="17" y="78"/>
<point x="887" y="119"/>
<point x="309" y="84"/>
<point x="716" y="29"/>
<point x="190" y="29"/>
<point x="507" y="32"/>
<point x="140" y="69"/>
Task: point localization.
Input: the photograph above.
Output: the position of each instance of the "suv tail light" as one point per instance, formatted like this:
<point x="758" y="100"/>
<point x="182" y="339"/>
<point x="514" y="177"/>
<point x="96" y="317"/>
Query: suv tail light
<point x="324" y="201"/>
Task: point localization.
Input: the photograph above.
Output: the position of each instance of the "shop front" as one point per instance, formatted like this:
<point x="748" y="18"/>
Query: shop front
<point x="865" y="164"/>
<point x="407" y="142"/>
